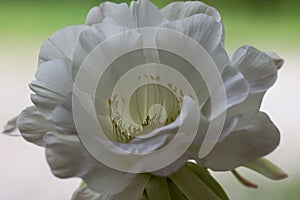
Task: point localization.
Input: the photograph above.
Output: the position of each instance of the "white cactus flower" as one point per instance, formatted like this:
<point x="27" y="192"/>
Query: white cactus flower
<point x="157" y="112"/>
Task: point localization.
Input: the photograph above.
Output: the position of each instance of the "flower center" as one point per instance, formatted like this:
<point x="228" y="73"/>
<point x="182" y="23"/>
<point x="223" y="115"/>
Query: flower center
<point x="150" y="106"/>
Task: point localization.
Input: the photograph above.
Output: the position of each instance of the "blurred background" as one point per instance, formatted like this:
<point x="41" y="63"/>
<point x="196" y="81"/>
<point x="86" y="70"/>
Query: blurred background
<point x="267" y="25"/>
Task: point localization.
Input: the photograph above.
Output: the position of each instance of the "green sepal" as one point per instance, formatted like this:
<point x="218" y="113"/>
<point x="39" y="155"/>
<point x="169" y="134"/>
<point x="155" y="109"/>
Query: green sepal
<point x="157" y="188"/>
<point x="192" y="186"/>
<point x="204" y="175"/>
<point x="175" y="193"/>
<point x="82" y="184"/>
<point x="267" y="169"/>
<point x="144" y="197"/>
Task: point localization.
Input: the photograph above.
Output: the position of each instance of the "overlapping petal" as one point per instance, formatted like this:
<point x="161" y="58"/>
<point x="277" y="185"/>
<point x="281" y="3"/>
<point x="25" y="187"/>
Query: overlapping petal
<point x="257" y="67"/>
<point x="180" y="10"/>
<point x="68" y="158"/>
<point x="140" y="14"/>
<point x="146" y="14"/>
<point x="90" y="38"/>
<point x="236" y="91"/>
<point x="133" y="191"/>
<point x="255" y="140"/>
<point x="53" y="83"/>
<point x="33" y="126"/>
<point x="207" y="32"/>
<point x="61" y="44"/>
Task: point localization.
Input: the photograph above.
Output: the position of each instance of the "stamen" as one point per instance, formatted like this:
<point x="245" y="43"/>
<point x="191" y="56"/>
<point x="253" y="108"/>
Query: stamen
<point x="156" y="114"/>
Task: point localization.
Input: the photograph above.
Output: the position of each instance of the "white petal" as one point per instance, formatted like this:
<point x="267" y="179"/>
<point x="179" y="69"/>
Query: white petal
<point x="53" y="83"/>
<point x="257" y="139"/>
<point x="146" y="14"/>
<point x="62" y="116"/>
<point x="33" y="126"/>
<point x="135" y="190"/>
<point x="257" y="67"/>
<point x="140" y="14"/>
<point x="228" y="126"/>
<point x="84" y="193"/>
<point x="104" y="55"/>
<point x="176" y="165"/>
<point x="105" y="30"/>
<point x="247" y="110"/>
<point x="236" y="89"/>
<point x="94" y="16"/>
<point x="11" y="128"/>
<point x="61" y="44"/>
<point x="117" y="14"/>
<point x="276" y="59"/>
<point x="68" y="158"/>
<point x="162" y="136"/>
<point x="207" y="32"/>
<point x="180" y="10"/>
<point x="235" y="85"/>
<point x="56" y="75"/>
<point x="90" y="38"/>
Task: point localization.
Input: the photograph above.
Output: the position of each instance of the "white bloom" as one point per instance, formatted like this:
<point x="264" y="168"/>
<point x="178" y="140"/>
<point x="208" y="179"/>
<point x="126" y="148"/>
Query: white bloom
<point x="248" y="134"/>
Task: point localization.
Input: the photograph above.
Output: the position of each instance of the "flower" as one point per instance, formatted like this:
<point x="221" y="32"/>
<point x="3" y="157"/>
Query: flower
<point x="157" y="112"/>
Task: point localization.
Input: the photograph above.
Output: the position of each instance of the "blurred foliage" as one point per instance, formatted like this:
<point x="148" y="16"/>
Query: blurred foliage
<point x="245" y="20"/>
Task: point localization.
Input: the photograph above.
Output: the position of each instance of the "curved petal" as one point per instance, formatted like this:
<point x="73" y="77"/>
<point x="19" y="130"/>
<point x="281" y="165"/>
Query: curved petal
<point x="133" y="192"/>
<point x="94" y="16"/>
<point x="62" y="116"/>
<point x="160" y="137"/>
<point x="256" y="66"/>
<point x="90" y="38"/>
<point x="84" y="193"/>
<point x="180" y="10"/>
<point x="33" y="126"/>
<point x="257" y="139"/>
<point x="11" y="128"/>
<point x="276" y="59"/>
<point x="141" y="14"/>
<point x="68" y="158"/>
<point x="117" y="14"/>
<point x="53" y="83"/>
<point x="56" y="76"/>
<point x="175" y="166"/>
<point x="236" y="89"/>
<point x="61" y="44"/>
<point x="146" y="14"/>
<point x="207" y="32"/>
<point x="247" y="110"/>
